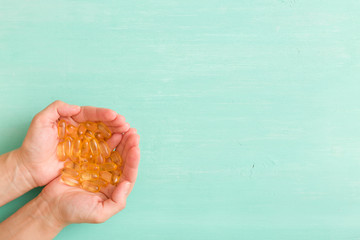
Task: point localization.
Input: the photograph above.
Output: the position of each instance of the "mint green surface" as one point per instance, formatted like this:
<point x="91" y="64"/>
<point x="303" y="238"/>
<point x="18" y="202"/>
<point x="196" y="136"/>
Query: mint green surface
<point x="248" y="111"/>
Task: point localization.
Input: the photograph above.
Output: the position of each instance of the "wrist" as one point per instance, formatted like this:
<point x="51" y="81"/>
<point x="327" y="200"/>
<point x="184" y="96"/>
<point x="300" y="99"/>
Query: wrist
<point x="21" y="160"/>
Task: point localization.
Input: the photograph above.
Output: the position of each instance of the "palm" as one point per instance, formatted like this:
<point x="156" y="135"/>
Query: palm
<point x="78" y="205"/>
<point x="39" y="147"/>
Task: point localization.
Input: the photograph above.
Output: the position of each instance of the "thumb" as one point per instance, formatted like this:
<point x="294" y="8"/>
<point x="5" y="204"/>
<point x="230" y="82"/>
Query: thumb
<point x="56" y="110"/>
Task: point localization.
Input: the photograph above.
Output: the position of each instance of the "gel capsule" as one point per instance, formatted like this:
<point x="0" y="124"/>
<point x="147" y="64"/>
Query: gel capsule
<point x="71" y="131"/>
<point x="90" y="167"/>
<point x="60" y="152"/>
<point x="100" y="182"/>
<point x="70" y="181"/>
<point x="75" y="151"/>
<point x="81" y="129"/>
<point x="94" y="147"/>
<point x="115" y="179"/>
<point x="61" y="129"/>
<point x="116" y="158"/>
<point x="85" y="149"/>
<point x="69" y="164"/>
<point x="104" y="130"/>
<point x="71" y="173"/>
<point x="67" y="146"/>
<point x="104" y="149"/>
<point x="99" y="136"/>
<point x="89" y="176"/>
<point x="89" y="135"/>
<point x="109" y="166"/>
<point x="106" y="176"/>
<point x="89" y="186"/>
<point x="91" y="126"/>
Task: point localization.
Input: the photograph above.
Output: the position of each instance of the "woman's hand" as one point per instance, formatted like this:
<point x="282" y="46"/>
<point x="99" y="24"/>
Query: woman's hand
<point x="75" y="205"/>
<point x="38" y="151"/>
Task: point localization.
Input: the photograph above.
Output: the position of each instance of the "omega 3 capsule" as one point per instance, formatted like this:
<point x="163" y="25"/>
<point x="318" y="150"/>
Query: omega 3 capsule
<point x="89" y="186"/>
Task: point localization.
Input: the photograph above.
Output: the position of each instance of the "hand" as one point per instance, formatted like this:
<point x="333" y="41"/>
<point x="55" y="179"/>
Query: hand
<point x="38" y="151"/>
<point x="75" y="205"/>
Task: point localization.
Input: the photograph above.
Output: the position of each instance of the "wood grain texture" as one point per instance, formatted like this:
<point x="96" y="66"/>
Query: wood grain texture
<point x="248" y="111"/>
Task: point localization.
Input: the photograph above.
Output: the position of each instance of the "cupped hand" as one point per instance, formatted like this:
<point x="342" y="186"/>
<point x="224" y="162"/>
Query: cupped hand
<point x="75" y="205"/>
<point x="38" y="151"/>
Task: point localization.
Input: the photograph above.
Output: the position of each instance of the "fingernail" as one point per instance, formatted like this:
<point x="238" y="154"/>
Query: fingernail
<point x="126" y="188"/>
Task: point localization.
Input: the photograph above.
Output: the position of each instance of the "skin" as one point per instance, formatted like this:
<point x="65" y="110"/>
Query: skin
<point x="35" y="164"/>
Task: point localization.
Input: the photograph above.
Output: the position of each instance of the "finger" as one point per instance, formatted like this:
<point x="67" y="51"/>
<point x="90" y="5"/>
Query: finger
<point x="114" y="140"/>
<point x="56" y="110"/>
<point x="132" y="141"/>
<point x="131" y="165"/>
<point x="118" y="121"/>
<point x="120" y="147"/>
<point x="88" y="113"/>
<point x="117" y="201"/>
<point x="120" y="129"/>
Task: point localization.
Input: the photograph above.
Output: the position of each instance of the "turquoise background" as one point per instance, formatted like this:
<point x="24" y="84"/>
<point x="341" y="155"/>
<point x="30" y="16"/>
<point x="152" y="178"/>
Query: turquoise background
<point x="248" y="111"/>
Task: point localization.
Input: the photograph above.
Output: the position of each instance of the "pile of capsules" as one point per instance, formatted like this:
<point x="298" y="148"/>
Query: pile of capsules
<point x="90" y="163"/>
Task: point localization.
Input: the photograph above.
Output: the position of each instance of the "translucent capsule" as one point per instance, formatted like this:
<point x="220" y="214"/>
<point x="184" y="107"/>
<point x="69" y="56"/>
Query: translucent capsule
<point x="75" y="152"/>
<point x="90" y="186"/>
<point x="71" y="172"/>
<point x="116" y="158"/>
<point x="106" y="176"/>
<point x="115" y="179"/>
<point x="99" y="136"/>
<point x="104" y="130"/>
<point x="85" y="149"/>
<point x="100" y="159"/>
<point x="81" y="129"/>
<point x="94" y="147"/>
<point x="117" y="172"/>
<point x="108" y="166"/>
<point x="104" y="149"/>
<point x="71" y="131"/>
<point x="89" y="135"/>
<point x="90" y="167"/>
<point x="77" y="167"/>
<point x="69" y="164"/>
<point x="89" y="176"/>
<point x="67" y="146"/>
<point x="60" y="152"/>
<point x="70" y="181"/>
<point x="62" y="129"/>
<point x="91" y="126"/>
<point x="100" y="182"/>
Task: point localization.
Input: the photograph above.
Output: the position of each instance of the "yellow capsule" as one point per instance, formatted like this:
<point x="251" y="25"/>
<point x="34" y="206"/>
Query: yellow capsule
<point x="104" y="130"/>
<point x="69" y="164"/>
<point x="99" y="136"/>
<point x="68" y="145"/>
<point x="116" y="158"/>
<point x="71" y="172"/>
<point x="90" y="186"/>
<point x="61" y="129"/>
<point x="100" y="182"/>
<point x="60" y="152"/>
<point x="89" y="176"/>
<point x="81" y="129"/>
<point x="109" y="166"/>
<point x="77" y="167"/>
<point x="117" y="172"/>
<point x="104" y="149"/>
<point x="94" y="147"/>
<point x="71" y="131"/>
<point x="90" y="167"/>
<point x="91" y="126"/>
<point x="70" y="181"/>
<point x="106" y="176"/>
<point x="85" y="149"/>
<point x="115" y="179"/>
<point x="89" y="135"/>
<point x="99" y="159"/>
<point x="75" y="151"/>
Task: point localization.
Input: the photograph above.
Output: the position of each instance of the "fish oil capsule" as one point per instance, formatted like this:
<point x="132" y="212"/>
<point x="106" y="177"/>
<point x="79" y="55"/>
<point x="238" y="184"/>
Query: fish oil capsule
<point x="85" y="149"/>
<point x="100" y="159"/>
<point x="99" y="136"/>
<point x="81" y="129"/>
<point x="90" y="167"/>
<point x="89" y="135"/>
<point x="60" y="152"/>
<point x="109" y="166"/>
<point x="116" y="158"/>
<point x="100" y="182"/>
<point x="71" y="172"/>
<point x="70" y="181"/>
<point x="77" y="167"/>
<point x="75" y="151"/>
<point x="104" y="130"/>
<point x="62" y="129"/>
<point x="90" y="186"/>
<point x="71" y="131"/>
<point x="91" y="126"/>
<point x="69" y="164"/>
<point x="104" y="149"/>
<point x="106" y="176"/>
<point x="89" y="176"/>
<point x="115" y="179"/>
<point x="67" y="146"/>
<point x="94" y="147"/>
<point x="117" y="172"/>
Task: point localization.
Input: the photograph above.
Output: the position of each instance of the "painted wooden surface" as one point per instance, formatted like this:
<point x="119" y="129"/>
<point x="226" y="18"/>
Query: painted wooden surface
<point x="248" y="111"/>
